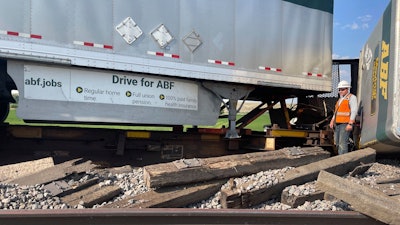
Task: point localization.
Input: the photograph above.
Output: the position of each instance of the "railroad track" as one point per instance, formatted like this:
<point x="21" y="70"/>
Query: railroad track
<point x="181" y="216"/>
<point x="52" y="140"/>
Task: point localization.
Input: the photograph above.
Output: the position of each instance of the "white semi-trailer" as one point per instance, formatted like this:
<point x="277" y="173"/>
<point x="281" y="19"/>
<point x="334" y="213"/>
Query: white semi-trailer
<point x="159" y="62"/>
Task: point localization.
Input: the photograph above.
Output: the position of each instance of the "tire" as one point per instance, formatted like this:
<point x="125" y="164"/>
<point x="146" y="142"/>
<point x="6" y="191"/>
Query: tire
<point x="4" y="110"/>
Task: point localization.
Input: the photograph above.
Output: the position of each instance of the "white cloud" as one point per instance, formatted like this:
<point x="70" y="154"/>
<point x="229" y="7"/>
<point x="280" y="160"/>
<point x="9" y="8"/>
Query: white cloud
<point x="336" y="56"/>
<point x="361" y="23"/>
<point x="365" y="18"/>
<point x="353" y="26"/>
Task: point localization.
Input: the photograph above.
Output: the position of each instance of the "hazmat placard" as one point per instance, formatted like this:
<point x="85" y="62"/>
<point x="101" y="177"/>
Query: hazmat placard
<point x="75" y="85"/>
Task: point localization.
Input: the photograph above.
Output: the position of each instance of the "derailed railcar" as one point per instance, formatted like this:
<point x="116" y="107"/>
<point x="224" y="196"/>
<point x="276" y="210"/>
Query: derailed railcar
<point x="160" y="62"/>
<point x="378" y="84"/>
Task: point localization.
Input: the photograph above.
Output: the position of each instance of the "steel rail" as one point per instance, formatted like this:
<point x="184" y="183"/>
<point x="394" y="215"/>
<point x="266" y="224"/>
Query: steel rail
<point x="181" y="216"/>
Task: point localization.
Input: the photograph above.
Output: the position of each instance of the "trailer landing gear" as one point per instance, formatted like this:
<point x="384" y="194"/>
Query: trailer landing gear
<point x="233" y="94"/>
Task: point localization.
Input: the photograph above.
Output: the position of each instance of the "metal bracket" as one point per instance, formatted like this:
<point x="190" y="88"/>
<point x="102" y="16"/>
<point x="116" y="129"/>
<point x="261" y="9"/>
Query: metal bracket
<point x="233" y="93"/>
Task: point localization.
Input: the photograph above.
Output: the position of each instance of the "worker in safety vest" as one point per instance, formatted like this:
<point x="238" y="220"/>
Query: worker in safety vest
<point x="343" y="119"/>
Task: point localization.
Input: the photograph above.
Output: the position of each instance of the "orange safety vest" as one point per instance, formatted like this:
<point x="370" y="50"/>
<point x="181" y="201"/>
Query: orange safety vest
<point x="343" y="110"/>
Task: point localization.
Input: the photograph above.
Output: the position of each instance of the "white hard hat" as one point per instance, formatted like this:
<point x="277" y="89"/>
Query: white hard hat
<point x="344" y="84"/>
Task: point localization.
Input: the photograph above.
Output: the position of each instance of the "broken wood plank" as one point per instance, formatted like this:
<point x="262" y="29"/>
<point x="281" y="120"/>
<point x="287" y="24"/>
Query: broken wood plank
<point x="187" y="171"/>
<point x="16" y="170"/>
<point x="79" y="187"/>
<point x="61" y="188"/>
<point x="340" y="165"/>
<point x="115" y="170"/>
<point x="91" y="196"/>
<point x="56" y="187"/>
<point x="361" y="169"/>
<point x="295" y="201"/>
<point x="55" y="172"/>
<point x="363" y="199"/>
<point x="170" y="197"/>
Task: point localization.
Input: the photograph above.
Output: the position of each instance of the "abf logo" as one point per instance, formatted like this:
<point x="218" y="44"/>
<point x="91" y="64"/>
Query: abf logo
<point x="367" y="56"/>
<point x="384" y="73"/>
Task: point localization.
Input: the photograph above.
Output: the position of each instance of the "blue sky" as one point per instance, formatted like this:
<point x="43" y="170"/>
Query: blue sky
<point x="353" y="22"/>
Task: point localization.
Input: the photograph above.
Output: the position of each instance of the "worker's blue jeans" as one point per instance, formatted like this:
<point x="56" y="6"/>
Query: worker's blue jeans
<point x="342" y="138"/>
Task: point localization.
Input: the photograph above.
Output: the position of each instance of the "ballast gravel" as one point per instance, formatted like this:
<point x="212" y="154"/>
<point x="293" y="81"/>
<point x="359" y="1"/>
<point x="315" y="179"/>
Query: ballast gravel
<point x="13" y="196"/>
